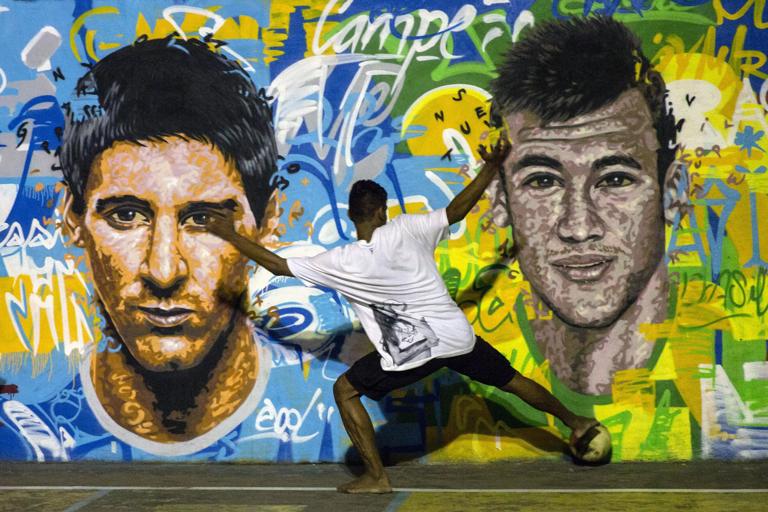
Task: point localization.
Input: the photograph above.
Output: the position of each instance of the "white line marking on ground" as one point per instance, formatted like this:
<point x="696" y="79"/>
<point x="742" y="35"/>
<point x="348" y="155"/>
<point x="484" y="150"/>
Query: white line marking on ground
<point x="396" y="489"/>
<point x="398" y="501"/>
<point x="87" y="501"/>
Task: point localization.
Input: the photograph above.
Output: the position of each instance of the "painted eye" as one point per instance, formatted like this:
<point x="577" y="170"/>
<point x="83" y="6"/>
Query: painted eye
<point x="126" y="217"/>
<point x="542" y="180"/>
<point x="199" y="219"/>
<point x="615" y="180"/>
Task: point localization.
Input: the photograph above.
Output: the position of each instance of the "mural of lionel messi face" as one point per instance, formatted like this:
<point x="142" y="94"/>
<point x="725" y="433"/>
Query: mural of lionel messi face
<point x="183" y="134"/>
<point x="170" y="288"/>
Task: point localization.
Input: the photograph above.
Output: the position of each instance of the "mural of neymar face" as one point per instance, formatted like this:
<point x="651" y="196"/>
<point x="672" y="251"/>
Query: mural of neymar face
<point x="583" y="188"/>
<point x="170" y="148"/>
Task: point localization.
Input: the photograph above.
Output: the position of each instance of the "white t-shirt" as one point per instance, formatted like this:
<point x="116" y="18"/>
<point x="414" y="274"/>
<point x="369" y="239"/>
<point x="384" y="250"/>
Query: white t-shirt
<point x="396" y="291"/>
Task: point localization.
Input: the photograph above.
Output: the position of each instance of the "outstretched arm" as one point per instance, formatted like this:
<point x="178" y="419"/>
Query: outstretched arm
<point x="223" y="226"/>
<point x="460" y="206"/>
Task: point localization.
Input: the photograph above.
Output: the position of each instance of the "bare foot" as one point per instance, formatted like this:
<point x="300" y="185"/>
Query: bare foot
<point x="367" y="484"/>
<point x="582" y="425"/>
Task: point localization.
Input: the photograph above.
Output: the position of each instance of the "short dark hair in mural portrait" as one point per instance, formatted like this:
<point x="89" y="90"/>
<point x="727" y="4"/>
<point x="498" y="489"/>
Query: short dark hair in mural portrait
<point x="182" y="133"/>
<point x="584" y="187"/>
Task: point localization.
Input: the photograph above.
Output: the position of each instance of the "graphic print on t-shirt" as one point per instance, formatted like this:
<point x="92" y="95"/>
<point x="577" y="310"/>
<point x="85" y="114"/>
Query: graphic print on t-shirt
<point x="403" y="338"/>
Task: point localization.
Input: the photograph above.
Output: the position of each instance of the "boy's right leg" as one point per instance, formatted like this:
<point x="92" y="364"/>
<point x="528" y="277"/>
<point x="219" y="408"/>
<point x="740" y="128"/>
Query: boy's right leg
<point x="360" y="430"/>
<point x="486" y="365"/>
<point x="536" y="395"/>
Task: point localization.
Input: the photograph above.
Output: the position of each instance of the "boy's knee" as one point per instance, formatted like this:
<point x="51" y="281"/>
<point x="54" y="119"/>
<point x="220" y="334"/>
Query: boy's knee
<point x="514" y="384"/>
<point x="343" y="389"/>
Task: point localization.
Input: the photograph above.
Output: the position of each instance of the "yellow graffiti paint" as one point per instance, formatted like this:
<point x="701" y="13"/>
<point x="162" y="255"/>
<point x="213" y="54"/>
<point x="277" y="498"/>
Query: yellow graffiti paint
<point x="634" y="387"/>
<point x="758" y="7"/>
<point x="449" y="118"/>
<point x="472" y="433"/>
<point x="80" y="22"/>
<point x="633" y="440"/>
<point x="90" y="48"/>
<point x="665" y="366"/>
<point x="190" y="24"/>
<point x="734" y="55"/>
<point x="44" y="313"/>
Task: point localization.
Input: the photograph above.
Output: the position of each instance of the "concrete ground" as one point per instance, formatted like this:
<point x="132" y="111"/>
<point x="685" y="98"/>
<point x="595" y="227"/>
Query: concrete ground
<point x="541" y="486"/>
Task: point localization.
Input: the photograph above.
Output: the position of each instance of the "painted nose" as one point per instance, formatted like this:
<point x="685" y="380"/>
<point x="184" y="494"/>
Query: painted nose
<point x="164" y="269"/>
<point x="579" y="221"/>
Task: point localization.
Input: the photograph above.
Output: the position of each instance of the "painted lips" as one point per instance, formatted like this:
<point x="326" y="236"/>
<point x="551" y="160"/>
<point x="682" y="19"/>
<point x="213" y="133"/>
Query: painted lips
<point x="162" y="317"/>
<point x="583" y="268"/>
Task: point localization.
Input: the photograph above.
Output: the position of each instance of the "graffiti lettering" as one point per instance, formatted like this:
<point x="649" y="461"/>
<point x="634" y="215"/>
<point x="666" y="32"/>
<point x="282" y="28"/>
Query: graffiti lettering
<point x="285" y="423"/>
<point x="757" y="14"/>
<point x="675" y="9"/>
<point x="423" y="29"/>
<point x="735" y="289"/>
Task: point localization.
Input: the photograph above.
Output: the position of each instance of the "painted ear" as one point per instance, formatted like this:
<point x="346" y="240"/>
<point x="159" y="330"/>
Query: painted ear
<point x="499" y="209"/>
<point x="676" y="195"/>
<point x="73" y="223"/>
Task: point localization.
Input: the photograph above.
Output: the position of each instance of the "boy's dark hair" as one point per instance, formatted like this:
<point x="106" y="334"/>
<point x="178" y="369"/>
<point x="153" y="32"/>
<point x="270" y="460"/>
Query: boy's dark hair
<point x="566" y="68"/>
<point x="365" y="198"/>
<point x="161" y="88"/>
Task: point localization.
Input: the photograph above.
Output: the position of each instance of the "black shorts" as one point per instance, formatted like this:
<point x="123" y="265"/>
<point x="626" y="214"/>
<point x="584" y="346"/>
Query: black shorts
<point x="484" y="364"/>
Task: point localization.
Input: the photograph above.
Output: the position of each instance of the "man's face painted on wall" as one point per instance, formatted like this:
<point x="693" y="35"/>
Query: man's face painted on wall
<point x="586" y="208"/>
<point x="170" y="288"/>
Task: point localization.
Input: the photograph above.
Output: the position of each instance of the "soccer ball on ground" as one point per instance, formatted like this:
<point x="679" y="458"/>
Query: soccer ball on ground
<point x="593" y="447"/>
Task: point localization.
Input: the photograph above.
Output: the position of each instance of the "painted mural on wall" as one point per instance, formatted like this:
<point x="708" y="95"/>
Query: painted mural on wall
<point x="130" y="333"/>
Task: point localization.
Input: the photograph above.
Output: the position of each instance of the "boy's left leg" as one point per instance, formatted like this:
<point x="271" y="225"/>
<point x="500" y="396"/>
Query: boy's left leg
<point x="360" y="430"/>
<point x="367" y="378"/>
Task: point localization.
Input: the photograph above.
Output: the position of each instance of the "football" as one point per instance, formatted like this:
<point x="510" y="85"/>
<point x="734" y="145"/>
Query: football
<point x="594" y="446"/>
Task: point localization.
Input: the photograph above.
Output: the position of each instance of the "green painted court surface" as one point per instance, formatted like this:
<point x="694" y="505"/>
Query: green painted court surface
<point x="512" y="486"/>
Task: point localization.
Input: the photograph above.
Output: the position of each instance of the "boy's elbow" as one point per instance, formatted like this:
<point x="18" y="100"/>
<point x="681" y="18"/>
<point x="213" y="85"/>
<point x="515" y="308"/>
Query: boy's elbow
<point x="454" y="213"/>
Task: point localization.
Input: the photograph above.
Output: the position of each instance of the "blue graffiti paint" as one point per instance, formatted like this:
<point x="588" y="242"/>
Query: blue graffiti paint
<point x="290" y="320"/>
<point x="718" y="348"/>
<point x="755" y="260"/>
<point x="38" y="124"/>
<point x="716" y="233"/>
<point x="326" y="444"/>
<point x="81" y="7"/>
<point x="284" y="451"/>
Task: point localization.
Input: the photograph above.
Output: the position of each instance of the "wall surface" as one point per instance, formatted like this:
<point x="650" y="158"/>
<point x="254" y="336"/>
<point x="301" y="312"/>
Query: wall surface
<point x="395" y="91"/>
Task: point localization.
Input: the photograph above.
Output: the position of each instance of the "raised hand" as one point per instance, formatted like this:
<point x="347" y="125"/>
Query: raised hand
<point x="221" y="224"/>
<point x="498" y="153"/>
<point x="460" y="205"/>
